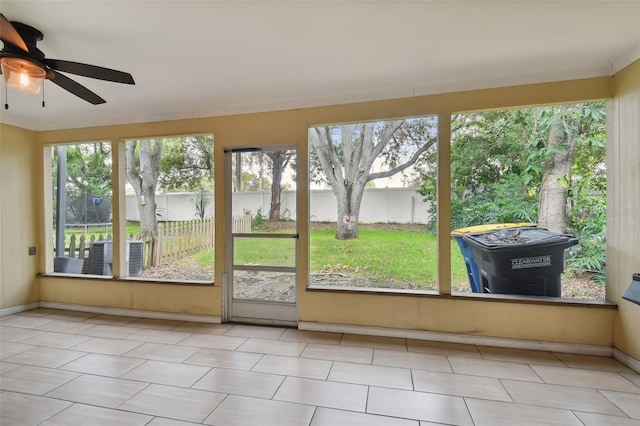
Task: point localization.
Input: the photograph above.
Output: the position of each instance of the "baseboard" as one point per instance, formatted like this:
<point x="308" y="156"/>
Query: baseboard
<point x="573" y="348"/>
<point x="627" y="360"/>
<point x="212" y="319"/>
<point x="19" y="308"/>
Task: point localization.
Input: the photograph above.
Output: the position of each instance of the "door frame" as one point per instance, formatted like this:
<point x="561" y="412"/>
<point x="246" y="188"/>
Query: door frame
<point x="269" y="309"/>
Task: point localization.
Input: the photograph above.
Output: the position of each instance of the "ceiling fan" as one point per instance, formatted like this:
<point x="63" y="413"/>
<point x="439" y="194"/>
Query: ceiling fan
<point x="22" y="60"/>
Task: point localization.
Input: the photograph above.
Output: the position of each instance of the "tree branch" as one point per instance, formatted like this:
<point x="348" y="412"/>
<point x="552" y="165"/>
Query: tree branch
<point x="406" y="164"/>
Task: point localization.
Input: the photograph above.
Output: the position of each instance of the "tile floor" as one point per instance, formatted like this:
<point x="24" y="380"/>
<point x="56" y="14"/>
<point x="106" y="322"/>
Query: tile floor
<point x="75" y="368"/>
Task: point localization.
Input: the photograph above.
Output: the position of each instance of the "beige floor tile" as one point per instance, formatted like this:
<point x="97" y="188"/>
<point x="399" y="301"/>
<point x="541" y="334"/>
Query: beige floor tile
<point x="5" y="367"/>
<point x="16" y="334"/>
<point x="593" y="419"/>
<point x="293" y="366"/>
<point x="293" y="335"/>
<point x="157" y="324"/>
<point x="520" y="355"/>
<point x="633" y="378"/>
<point x="214" y="342"/>
<point x="419" y="406"/>
<point x="167" y="373"/>
<point x="80" y="414"/>
<point x="237" y="382"/>
<point x="255" y="332"/>
<point x="628" y="402"/>
<point x="331" y="417"/>
<point x="159" y="421"/>
<point x="175" y="403"/>
<point x="24" y="321"/>
<point x="374" y="375"/>
<point x="162" y="352"/>
<point x="56" y="340"/>
<point x="459" y="385"/>
<point x="224" y="359"/>
<point x="97" y="390"/>
<point x="111" y="320"/>
<point x="35" y="380"/>
<point x="71" y="315"/>
<point x="377" y="342"/>
<point x="493" y="413"/>
<point x="343" y="396"/>
<point x="272" y="347"/>
<point x="555" y="396"/>
<point x="70" y="327"/>
<point x="203" y="328"/>
<point x="100" y="345"/>
<point x="159" y="336"/>
<point x="587" y="362"/>
<point x="27" y="410"/>
<point x="45" y="357"/>
<point x="604" y="380"/>
<point x="442" y="348"/>
<point x="497" y="369"/>
<point x="245" y="411"/>
<point x="338" y="353"/>
<point x="411" y="360"/>
<point x="110" y="331"/>
<point x="9" y="349"/>
<point x="103" y="365"/>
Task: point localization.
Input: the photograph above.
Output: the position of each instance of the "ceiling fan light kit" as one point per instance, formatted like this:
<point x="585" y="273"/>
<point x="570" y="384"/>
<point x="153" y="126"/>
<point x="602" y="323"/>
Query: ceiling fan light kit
<point x="22" y="75"/>
<point x="24" y="67"/>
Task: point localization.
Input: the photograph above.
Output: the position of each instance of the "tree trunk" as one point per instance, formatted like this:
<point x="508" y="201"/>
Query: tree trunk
<point x="554" y="190"/>
<point x="349" y="172"/>
<point x="349" y="203"/>
<point x="144" y="180"/>
<point x="279" y="161"/>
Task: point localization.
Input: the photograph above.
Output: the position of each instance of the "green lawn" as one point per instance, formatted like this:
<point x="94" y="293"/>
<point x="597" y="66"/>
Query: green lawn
<point x="398" y="255"/>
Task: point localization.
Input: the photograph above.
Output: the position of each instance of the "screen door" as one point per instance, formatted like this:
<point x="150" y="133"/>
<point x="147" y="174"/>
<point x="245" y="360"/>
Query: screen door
<point x="262" y="236"/>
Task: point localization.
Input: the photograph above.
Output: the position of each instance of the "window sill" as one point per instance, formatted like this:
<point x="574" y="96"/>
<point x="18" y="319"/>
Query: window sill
<point x="58" y="275"/>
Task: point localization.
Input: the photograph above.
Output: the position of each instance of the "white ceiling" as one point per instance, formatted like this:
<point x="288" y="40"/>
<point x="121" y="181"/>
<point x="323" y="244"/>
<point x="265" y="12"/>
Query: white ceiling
<point x="203" y="58"/>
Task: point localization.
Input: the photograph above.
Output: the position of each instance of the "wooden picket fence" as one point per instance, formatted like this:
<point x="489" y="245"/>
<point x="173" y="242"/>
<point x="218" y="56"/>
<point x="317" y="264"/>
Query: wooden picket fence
<point x="79" y="247"/>
<point x="175" y="240"/>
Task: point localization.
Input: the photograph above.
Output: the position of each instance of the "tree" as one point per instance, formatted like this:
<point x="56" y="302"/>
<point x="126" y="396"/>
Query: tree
<point x="143" y="171"/>
<point x="88" y="185"/>
<point x="567" y="126"/>
<point x="278" y="161"/>
<point x="186" y="162"/>
<point x="345" y="156"/>
<point x="172" y="164"/>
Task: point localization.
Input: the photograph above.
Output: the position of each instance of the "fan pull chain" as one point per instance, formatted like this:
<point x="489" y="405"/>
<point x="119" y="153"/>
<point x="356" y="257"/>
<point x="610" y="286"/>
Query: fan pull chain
<point x="6" y="97"/>
<point x="43" y="95"/>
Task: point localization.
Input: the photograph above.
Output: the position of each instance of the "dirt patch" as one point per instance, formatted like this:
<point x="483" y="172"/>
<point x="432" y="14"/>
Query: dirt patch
<point x="183" y="269"/>
<point x="281" y="287"/>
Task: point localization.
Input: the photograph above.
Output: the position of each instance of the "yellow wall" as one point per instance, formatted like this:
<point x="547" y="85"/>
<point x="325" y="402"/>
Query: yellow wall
<point x="558" y="323"/>
<point x="181" y="299"/>
<point x="18" y="226"/>
<point x="623" y="205"/>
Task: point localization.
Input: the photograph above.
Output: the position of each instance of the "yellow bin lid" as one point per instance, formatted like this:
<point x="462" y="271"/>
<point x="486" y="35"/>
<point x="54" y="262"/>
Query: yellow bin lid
<point x="486" y="228"/>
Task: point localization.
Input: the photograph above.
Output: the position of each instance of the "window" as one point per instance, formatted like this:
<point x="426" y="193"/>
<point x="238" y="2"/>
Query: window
<point x="169" y="208"/>
<point x="369" y="225"/>
<point x="544" y="166"/>
<point x="81" y="194"/>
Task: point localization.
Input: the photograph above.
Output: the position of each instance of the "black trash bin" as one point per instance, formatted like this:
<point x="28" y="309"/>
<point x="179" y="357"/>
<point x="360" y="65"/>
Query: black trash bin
<point x="526" y="261"/>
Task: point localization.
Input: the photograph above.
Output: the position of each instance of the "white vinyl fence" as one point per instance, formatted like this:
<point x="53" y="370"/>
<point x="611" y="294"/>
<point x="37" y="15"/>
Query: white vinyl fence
<point x="379" y="205"/>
